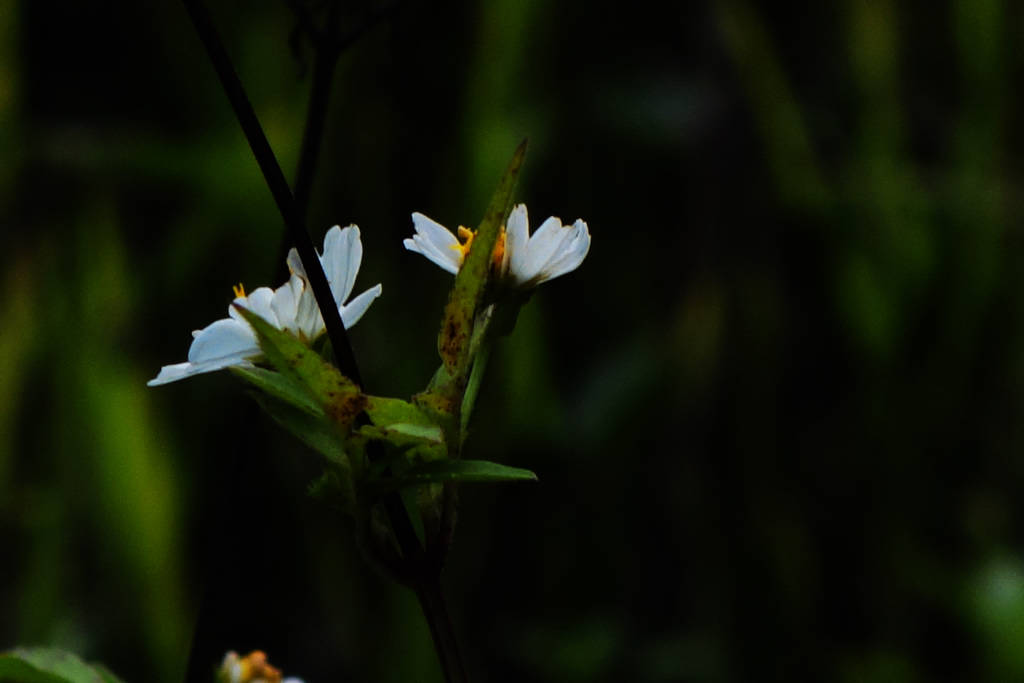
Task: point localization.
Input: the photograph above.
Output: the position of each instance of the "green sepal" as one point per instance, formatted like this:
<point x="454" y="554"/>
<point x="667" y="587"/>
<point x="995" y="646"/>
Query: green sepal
<point x="337" y="395"/>
<point x="461" y="471"/>
<point x="453" y="341"/>
<point x="50" y="665"/>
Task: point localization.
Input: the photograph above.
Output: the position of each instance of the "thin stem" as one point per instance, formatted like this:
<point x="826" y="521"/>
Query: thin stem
<point x="278" y="186"/>
<point x="324" y="64"/>
<point x="328" y="47"/>
<point x="436" y="612"/>
<point x="325" y="60"/>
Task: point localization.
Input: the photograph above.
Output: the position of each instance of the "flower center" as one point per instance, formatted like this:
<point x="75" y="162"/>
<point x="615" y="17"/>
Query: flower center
<point x="239" y="291"/>
<point x="467" y="236"/>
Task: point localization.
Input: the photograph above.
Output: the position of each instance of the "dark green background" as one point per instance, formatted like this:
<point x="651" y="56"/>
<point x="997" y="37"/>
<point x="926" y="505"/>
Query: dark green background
<point x="776" y="414"/>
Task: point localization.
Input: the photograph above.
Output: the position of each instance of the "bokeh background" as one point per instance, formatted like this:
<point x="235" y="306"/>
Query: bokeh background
<point x="776" y="414"/>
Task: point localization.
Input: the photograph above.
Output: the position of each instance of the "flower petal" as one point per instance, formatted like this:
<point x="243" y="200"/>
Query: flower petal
<point x="295" y="263"/>
<point x="172" y="373"/>
<point x="285" y="302"/>
<point x="226" y="339"/>
<point x="343" y="253"/>
<point x="517" y="234"/>
<point x="544" y="245"/>
<point x="308" y="320"/>
<point x="571" y="253"/>
<point x="260" y="302"/>
<point x="435" y="242"/>
<point x="354" y="310"/>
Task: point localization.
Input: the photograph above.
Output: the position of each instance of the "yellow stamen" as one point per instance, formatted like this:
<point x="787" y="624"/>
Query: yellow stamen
<point x="239" y="291"/>
<point x="255" y="667"/>
<point x="467" y="236"/>
<point x="499" y="249"/>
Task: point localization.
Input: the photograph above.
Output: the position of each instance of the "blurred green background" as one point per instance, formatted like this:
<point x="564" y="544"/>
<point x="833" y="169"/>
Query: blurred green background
<point x="779" y="435"/>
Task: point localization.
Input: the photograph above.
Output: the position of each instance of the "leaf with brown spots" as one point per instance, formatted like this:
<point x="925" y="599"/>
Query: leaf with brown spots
<point x="338" y="396"/>
<point x="468" y="290"/>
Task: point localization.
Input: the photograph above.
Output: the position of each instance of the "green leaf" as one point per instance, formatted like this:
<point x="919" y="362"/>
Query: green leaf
<point x="106" y="674"/>
<point x="404" y="425"/>
<point x="383" y="411"/>
<point x="50" y="665"/>
<point x="319" y="434"/>
<point x="464" y="471"/>
<point x="339" y="396"/>
<point x="405" y="434"/>
<point x="453" y="342"/>
<point x="281" y="387"/>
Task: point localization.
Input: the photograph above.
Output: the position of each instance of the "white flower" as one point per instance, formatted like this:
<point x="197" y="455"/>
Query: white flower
<point x="253" y="668"/>
<point x="292" y="307"/>
<point x="519" y="259"/>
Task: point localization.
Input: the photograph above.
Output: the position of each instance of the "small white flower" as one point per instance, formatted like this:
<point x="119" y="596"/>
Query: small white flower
<point x="292" y="307"/>
<point x="520" y="260"/>
<point x="253" y="668"/>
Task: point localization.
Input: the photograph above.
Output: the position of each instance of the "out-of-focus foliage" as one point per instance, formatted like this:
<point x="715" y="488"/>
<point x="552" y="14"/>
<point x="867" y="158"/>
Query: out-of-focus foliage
<point x="49" y="665"/>
<point x="778" y="429"/>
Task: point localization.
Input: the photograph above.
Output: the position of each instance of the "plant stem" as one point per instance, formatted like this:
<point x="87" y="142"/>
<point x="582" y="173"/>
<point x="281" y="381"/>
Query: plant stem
<point x="328" y="47"/>
<point x="436" y="612"/>
<point x="425" y="579"/>
<point x="325" y="59"/>
<point x="278" y="186"/>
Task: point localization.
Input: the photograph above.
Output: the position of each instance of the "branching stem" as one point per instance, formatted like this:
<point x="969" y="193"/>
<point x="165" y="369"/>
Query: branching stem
<point x="425" y="577"/>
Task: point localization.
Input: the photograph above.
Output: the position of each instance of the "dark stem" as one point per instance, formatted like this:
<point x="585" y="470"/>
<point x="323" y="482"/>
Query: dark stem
<point x="278" y="186"/>
<point x="436" y="612"/>
<point x="427" y="584"/>
<point x="325" y="60"/>
<point x="319" y="97"/>
<point x="328" y="46"/>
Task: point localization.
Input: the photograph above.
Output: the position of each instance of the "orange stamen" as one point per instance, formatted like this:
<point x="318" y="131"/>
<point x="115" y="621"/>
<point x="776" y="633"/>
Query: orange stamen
<point x="239" y="291"/>
<point x="499" y="249"/>
<point x="467" y="236"/>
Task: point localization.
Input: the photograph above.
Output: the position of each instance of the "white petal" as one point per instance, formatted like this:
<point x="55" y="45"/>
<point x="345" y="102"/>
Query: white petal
<point x="353" y="311"/>
<point x="225" y="339"/>
<point x="433" y="232"/>
<point x="295" y="263"/>
<point x="517" y="233"/>
<point x="286" y="302"/>
<point x="571" y="254"/>
<point x="448" y="261"/>
<point x="343" y="253"/>
<point x="260" y="302"/>
<point x="435" y="242"/>
<point x="307" y="314"/>
<point x="172" y="373"/>
<point x="544" y="245"/>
